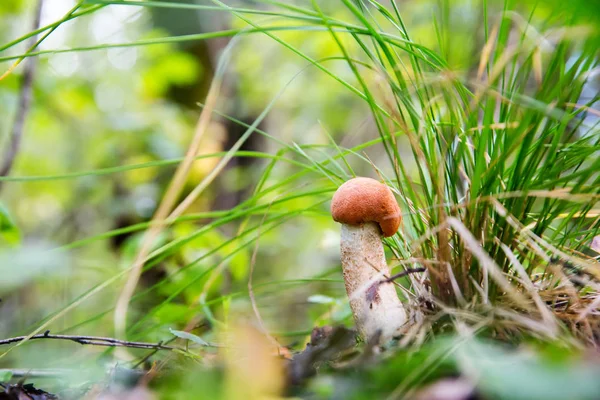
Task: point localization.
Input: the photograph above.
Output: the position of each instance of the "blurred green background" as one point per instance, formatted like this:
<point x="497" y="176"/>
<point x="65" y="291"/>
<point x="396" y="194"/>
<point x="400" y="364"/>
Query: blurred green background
<point x="117" y="94"/>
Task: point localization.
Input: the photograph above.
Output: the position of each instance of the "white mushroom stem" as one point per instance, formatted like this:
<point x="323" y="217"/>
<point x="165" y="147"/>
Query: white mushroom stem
<point x="375" y="306"/>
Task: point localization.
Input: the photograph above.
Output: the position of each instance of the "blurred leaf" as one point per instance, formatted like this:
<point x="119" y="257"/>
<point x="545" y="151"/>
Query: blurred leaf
<point x="9" y="232"/>
<point x="253" y="369"/>
<point x="414" y="368"/>
<point x="509" y="374"/>
<point x="11" y="6"/>
<point x="178" y="69"/>
<point x="22" y="265"/>
<point x="5" y="376"/>
<point x="189" y="336"/>
<point x="172" y="313"/>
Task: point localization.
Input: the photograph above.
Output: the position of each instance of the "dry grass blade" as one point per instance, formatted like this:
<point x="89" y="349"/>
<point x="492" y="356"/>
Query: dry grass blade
<point x="166" y="205"/>
<point x="546" y="314"/>
<point x="486" y="262"/>
<point x="589" y="309"/>
<point x="486" y="52"/>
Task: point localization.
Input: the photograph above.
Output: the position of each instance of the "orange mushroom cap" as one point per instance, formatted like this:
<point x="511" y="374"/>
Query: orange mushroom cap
<point x="362" y="200"/>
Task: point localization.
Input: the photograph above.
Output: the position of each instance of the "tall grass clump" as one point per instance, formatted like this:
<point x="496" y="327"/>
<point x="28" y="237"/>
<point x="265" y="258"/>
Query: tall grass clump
<point x="496" y="163"/>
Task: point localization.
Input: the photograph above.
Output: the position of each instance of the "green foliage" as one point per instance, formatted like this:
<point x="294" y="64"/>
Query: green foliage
<point x="507" y="374"/>
<point x="167" y="67"/>
<point x="190" y="337"/>
<point x="11" y="6"/>
<point x="9" y="231"/>
<point x="500" y="372"/>
<point x="5" y="376"/>
<point x="483" y="119"/>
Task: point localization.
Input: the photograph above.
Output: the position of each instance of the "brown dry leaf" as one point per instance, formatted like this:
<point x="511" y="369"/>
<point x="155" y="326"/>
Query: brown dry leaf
<point x="252" y="372"/>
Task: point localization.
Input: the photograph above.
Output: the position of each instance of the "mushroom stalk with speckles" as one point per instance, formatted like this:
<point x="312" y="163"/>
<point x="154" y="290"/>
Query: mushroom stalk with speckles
<point x="367" y="209"/>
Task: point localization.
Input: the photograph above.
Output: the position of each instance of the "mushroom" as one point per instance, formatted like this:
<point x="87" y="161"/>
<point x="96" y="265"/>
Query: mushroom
<point x="367" y="210"/>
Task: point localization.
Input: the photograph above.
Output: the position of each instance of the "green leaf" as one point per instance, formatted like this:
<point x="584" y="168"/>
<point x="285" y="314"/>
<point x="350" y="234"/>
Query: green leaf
<point x="9" y="231"/>
<point x="189" y="336"/>
<point x="508" y="374"/>
<point x="5" y="375"/>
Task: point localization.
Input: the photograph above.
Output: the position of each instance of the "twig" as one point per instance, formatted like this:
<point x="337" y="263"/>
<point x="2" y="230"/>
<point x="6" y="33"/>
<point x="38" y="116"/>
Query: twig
<point x="150" y="354"/>
<point x="404" y="273"/>
<point x="371" y="290"/>
<point x="25" y="98"/>
<point x="94" y="341"/>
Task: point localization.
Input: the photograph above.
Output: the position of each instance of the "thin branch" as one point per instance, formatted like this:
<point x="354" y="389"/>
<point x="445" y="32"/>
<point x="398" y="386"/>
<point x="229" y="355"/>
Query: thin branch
<point x="94" y="341"/>
<point x="24" y="105"/>
<point x="403" y="273"/>
<point x="150" y="354"/>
